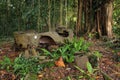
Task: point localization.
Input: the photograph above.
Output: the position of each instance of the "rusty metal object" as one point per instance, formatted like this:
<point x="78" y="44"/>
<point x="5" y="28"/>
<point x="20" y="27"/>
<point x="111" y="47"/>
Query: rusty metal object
<point x="58" y="36"/>
<point x="25" y="39"/>
<point x="27" y="42"/>
<point x="28" y="39"/>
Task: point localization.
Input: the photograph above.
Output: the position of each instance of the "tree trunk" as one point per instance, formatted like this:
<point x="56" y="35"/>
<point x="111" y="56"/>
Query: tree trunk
<point x="91" y="15"/>
<point x="98" y="23"/>
<point x="49" y="21"/>
<point x="100" y="15"/>
<point x="79" y="16"/>
<point x="61" y="11"/>
<point x="109" y="11"/>
<point x="66" y="13"/>
<point x="53" y="24"/>
<point x="8" y="15"/>
<point x="38" y="22"/>
<point x="88" y="15"/>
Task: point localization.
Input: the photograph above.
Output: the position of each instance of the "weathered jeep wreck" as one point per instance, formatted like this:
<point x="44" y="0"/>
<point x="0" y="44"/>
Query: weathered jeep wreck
<point x="32" y="39"/>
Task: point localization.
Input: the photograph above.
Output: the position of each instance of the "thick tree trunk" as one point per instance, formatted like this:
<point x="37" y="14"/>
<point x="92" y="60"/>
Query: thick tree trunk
<point x="109" y="11"/>
<point x="98" y="24"/>
<point x="100" y="15"/>
<point x="103" y="20"/>
<point x="89" y="16"/>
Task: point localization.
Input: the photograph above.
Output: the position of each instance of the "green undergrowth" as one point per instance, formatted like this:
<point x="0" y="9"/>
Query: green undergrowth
<point x="22" y="66"/>
<point x="5" y="39"/>
<point x="68" y="50"/>
<point x="90" y="74"/>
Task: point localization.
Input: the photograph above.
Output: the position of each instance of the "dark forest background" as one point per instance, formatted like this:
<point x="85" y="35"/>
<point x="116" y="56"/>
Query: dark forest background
<point x="83" y="16"/>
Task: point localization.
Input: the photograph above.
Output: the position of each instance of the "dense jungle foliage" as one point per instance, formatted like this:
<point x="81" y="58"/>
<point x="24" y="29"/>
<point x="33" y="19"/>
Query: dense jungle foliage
<point x="16" y="15"/>
<point x="69" y="40"/>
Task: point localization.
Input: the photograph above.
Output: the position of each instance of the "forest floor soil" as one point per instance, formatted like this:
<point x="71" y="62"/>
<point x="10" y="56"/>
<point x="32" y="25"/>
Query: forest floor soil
<point x="107" y="64"/>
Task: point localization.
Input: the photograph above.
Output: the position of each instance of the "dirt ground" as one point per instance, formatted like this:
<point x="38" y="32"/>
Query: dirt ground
<point x="107" y="64"/>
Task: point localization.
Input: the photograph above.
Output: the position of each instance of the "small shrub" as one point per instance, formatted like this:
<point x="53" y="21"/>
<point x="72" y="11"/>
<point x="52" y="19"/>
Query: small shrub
<point x="94" y="58"/>
<point x="116" y="30"/>
<point x="79" y="45"/>
<point x="67" y="51"/>
<point x="53" y="55"/>
<point x="6" y="63"/>
<point x="23" y="66"/>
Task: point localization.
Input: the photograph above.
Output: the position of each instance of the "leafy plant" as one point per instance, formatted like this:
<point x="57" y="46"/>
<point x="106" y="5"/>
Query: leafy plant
<point x="94" y="58"/>
<point x="67" y="51"/>
<point x="6" y="63"/>
<point x="116" y="30"/>
<point x="90" y="35"/>
<point x="97" y="54"/>
<point x="47" y="64"/>
<point x="53" y="54"/>
<point x="68" y="78"/>
<point x="76" y="45"/>
<point x="23" y="66"/>
<point x="89" y="74"/>
<point x="80" y="45"/>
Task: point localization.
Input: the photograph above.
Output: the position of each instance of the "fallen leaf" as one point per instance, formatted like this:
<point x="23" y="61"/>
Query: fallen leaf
<point x="60" y="62"/>
<point x="40" y="75"/>
<point x="97" y="77"/>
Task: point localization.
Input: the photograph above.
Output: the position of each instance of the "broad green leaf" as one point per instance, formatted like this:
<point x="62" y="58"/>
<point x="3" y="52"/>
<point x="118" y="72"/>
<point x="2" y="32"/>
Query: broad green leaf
<point x="89" y="67"/>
